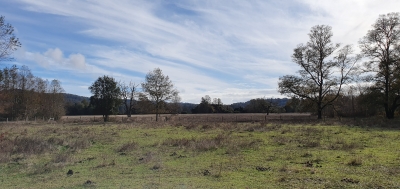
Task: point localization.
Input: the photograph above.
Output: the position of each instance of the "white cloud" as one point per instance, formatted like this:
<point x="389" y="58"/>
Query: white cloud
<point x="76" y="60"/>
<point x="229" y="48"/>
<point x="54" y="59"/>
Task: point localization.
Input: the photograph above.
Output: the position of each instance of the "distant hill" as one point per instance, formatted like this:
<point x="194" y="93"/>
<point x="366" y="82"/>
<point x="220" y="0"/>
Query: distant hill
<point x="187" y="107"/>
<point x="72" y="99"/>
<point x="280" y="101"/>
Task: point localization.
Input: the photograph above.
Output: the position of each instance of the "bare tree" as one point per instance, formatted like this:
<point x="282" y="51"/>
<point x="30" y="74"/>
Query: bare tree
<point x="159" y="88"/>
<point x="129" y="95"/>
<point x="382" y="46"/>
<point x="321" y="79"/>
<point x="217" y="101"/>
<point x="8" y="42"/>
<point x="56" y="98"/>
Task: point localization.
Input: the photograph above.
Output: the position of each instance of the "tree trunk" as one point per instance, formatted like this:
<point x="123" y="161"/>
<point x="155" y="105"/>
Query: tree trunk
<point x="157" y="113"/>
<point x="389" y="113"/>
<point x="319" y="113"/>
<point x="105" y="118"/>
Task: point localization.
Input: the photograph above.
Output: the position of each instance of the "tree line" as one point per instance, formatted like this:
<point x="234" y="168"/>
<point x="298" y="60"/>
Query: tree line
<point x="23" y="95"/>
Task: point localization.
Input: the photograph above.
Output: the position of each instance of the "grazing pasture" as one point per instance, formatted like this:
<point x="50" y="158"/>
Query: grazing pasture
<point x="277" y="153"/>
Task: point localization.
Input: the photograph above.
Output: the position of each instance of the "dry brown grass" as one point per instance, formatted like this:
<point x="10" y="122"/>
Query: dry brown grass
<point x="128" y="147"/>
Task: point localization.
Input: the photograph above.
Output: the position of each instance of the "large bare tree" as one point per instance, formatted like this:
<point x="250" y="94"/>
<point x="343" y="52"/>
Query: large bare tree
<point x="129" y="94"/>
<point x="321" y="78"/>
<point x="159" y="89"/>
<point x="8" y="42"/>
<point x="382" y="46"/>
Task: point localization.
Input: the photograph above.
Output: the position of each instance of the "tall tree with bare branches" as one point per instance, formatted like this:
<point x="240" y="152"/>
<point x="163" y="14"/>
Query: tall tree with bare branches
<point x="382" y="46"/>
<point x="8" y="42"/>
<point x="129" y="94"/>
<point x="321" y="77"/>
<point x="159" y="89"/>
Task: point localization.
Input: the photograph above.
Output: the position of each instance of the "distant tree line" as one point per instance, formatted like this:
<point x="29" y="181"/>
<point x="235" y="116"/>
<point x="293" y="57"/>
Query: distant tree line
<point x="258" y="105"/>
<point x="23" y="95"/>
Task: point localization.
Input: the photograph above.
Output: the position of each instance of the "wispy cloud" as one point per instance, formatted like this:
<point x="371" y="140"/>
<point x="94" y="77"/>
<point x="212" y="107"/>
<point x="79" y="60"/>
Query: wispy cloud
<point x="229" y="49"/>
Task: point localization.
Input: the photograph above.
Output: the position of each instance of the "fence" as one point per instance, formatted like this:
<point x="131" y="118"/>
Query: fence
<point x="171" y="117"/>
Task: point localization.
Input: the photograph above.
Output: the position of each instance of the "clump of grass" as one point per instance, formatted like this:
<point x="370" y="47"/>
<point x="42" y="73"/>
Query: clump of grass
<point x="355" y="162"/>
<point x="42" y="168"/>
<point x="181" y="142"/>
<point x="191" y="126"/>
<point x="262" y="127"/>
<point x="29" y="145"/>
<point x="128" y="147"/>
<point x="351" y="146"/>
<point x="307" y="154"/>
<point x="309" y="131"/>
<point x="55" y="141"/>
<point x="61" y="157"/>
<point x="202" y="144"/>
<point x="6" y="148"/>
<point x="78" y="143"/>
<point x="281" y="140"/>
<point x="284" y="168"/>
<point x="341" y="144"/>
<point x="236" y="145"/>
<point x="147" y="157"/>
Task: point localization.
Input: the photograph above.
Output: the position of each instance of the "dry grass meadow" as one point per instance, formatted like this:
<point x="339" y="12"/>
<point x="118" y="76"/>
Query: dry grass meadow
<point x="201" y="151"/>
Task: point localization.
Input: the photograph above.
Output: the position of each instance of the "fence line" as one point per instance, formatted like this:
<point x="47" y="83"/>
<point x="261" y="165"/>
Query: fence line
<point x="168" y="118"/>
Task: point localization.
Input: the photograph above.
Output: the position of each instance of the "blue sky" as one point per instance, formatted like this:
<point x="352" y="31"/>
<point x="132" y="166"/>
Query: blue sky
<point x="230" y="49"/>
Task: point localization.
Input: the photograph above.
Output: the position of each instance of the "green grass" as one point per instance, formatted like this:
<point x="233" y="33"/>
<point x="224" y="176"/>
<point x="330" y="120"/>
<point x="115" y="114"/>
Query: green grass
<point x="198" y="155"/>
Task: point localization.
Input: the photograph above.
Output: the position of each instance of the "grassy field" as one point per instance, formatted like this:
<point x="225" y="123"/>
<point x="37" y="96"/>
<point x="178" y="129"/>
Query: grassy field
<point x="200" y="155"/>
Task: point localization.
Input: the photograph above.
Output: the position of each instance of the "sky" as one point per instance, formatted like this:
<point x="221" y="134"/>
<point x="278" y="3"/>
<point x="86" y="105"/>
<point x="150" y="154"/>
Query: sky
<point x="234" y="50"/>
